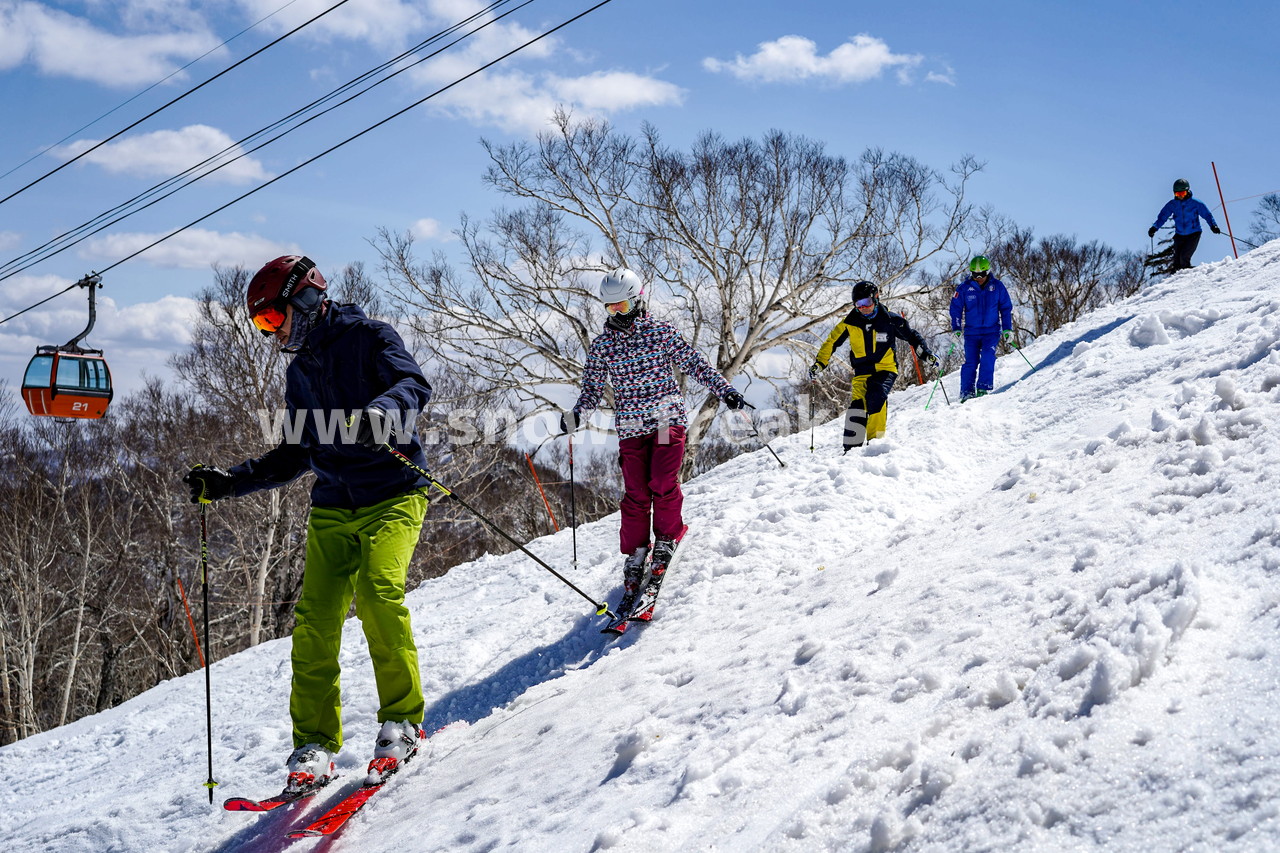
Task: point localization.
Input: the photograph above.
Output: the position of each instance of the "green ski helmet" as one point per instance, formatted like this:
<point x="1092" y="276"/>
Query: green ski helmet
<point x="1181" y="186"/>
<point x="980" y="263"/>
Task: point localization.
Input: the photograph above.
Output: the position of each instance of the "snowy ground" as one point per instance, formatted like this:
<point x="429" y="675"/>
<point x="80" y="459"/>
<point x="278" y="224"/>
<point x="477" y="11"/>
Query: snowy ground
<point x="1043" y="620"/>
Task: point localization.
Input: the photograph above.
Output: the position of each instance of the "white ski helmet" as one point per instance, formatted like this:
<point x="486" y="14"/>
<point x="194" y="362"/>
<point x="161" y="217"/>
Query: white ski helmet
<point x="619" y="285"/>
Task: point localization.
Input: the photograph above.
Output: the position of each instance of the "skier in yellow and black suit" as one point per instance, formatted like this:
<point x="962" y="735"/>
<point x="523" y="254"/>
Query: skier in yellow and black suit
<point x="871" y="331"/>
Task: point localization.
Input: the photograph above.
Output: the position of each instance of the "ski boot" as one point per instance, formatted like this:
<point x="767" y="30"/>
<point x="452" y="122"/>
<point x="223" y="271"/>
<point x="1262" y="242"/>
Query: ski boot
<point x="664" y="551"/>
<point x="310" y="767"/>
<point x="632" y="579"/>
<point x="397" y="743"/>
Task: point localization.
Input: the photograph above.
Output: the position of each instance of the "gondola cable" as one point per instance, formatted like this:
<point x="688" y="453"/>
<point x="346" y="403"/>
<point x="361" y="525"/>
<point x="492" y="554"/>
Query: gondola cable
<point x="165" y="106"/>
<point x="139" y="94"/>
<point x="368" y="129"/>
<point x="82" y="232"/>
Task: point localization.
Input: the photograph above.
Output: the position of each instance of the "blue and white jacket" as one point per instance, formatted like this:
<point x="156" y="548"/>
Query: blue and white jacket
<point x="981" y="308"/>
<point x="638" y="363"/>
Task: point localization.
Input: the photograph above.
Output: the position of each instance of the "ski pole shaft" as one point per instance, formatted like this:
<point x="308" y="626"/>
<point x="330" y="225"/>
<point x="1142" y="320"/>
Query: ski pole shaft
<point x="601" y="609"/>
<point x="573" y="505"/>
<point x="813" y="387"/>
<point x="938" y="381"/>
<point x="208" y="694"/>
<point x="1024" y="356"/>
<point x="757" y="435"/>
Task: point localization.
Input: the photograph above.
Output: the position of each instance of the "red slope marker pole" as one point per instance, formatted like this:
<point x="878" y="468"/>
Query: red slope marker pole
<point x="1225" y="216"/>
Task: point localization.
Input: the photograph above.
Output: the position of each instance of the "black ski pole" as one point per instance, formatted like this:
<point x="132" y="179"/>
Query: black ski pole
<point x="573" y="505"/>
<point x="813" y="387"/>
<point x="208" y="701"/>
<point x="757" y="435"/>
<point x="601" y="609"/>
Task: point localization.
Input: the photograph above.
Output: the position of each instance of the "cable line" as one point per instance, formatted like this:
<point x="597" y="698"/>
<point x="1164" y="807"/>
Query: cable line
<point x="191" y="91"/>
<point x="368" y="129"/>
<point x="41" y="302"/>
<point x="82" y="232"/>
<point x="125" y="103"/>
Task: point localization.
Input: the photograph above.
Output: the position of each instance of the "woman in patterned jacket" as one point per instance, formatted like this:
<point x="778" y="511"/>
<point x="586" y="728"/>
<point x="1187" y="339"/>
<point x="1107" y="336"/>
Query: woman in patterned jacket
<point x="636" y="353"/>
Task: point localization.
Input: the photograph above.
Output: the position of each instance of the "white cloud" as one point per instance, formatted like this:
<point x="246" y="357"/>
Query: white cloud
<point x="611" y="91"/>
<point x="382" y="23"/>
<point x="426" y="229"/>
<point x="9" y="240"/>
<point x="194" y="248"/>
<point x="524" y="103"/>
<point x="169" y="152"/>
<point x="62" y="44"/>
<point x="792" y="59"/>
<point x="948" y="76"/>
<point x="521" y="101"/>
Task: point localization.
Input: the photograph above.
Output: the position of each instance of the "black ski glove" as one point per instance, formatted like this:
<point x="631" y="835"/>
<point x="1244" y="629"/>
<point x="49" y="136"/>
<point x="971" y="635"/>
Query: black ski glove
<point x="733" y="400"/>
<point x="815" y="369"/>
<point x="1215" y="229"/>
<point x="569" y="422"/>
<point x="1151" y="232"/>
<point x="374" y="431"/>
<point x="209" y="484"/>
<point x="928" y="357"/>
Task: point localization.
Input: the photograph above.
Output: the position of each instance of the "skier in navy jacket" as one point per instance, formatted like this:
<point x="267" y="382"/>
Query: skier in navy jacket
<point x="1187" y="213"/>
<point x="367" y="508"/>
<point x="981" y="314"/>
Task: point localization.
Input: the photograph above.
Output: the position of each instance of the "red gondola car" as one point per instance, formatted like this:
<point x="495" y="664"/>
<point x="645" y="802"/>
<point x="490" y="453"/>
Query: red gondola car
<point x="69" y="381"/>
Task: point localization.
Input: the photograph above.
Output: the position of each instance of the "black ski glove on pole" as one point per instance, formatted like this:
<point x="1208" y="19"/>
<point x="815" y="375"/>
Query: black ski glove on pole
<point x="374" y="431"/>
<point x="209" y="484"/>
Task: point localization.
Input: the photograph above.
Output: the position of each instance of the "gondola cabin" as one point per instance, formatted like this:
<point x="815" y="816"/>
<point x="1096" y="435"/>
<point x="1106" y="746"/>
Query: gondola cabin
<point x="67" y="384"/>
<point x="70" y="381"/>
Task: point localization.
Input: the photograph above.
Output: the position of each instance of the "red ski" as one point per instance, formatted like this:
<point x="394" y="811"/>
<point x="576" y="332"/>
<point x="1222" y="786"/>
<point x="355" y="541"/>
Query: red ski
<point x="240" y="804"/>
<point x="336" y="817"/>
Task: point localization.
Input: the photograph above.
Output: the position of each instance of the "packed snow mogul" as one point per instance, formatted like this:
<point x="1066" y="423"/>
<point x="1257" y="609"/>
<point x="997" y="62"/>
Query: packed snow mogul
<point x="636" y="353"/>
<point x="1187" y="213"/>
<point x="367" y="507"/>
<point x="871" y="330"/>
<point x="981" y="315"/>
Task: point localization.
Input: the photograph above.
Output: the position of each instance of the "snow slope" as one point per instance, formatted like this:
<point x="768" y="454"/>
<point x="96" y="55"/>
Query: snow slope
<point x="1043" y="620"/>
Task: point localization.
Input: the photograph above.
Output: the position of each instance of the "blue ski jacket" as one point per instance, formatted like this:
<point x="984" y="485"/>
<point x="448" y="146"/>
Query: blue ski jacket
<point x="348" y="363"/>
<point x="981" y="308"/>
<point x="1187" y="213"/>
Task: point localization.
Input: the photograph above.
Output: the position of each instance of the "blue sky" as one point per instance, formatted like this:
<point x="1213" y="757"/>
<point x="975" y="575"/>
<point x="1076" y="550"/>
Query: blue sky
<point x="1083" y="112"/>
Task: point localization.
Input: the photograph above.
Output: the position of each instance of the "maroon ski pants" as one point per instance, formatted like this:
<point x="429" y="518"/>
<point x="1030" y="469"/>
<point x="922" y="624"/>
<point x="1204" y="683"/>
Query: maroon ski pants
<point x="651" y="482"/>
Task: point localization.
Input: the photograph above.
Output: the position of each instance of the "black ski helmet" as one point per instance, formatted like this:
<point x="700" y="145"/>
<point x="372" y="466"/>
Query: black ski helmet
<point x="1181" y="186"/>
<point x="864" y="290"/>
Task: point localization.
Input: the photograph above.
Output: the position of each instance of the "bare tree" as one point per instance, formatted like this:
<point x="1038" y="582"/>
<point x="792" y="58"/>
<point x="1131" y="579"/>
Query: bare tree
<point x="238" y="375"/>
<point x="1056" y="279"/>
<point x="738" y="241"/>
<point x="1266" y="219"/>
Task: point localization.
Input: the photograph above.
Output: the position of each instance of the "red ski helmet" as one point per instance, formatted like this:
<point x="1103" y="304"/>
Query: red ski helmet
<point x="288" y="279"/>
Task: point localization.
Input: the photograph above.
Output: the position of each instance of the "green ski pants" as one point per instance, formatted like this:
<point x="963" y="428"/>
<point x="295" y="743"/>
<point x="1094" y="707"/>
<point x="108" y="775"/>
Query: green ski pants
<point x="364" y="552"/>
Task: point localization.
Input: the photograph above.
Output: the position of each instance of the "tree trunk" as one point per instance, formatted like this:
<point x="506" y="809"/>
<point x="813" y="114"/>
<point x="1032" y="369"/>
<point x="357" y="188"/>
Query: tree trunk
<point x="258" y="603"/>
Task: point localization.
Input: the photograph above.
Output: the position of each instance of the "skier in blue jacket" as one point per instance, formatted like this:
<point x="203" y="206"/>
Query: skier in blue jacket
<point x="1187" y="213"/>
<point x="981" y="314"/>
<point x="367" y="508"/>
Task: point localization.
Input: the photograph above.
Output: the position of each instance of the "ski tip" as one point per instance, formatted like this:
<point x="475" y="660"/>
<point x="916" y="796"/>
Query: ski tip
<point x="240" y="804"/>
